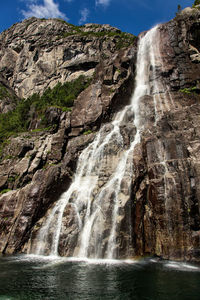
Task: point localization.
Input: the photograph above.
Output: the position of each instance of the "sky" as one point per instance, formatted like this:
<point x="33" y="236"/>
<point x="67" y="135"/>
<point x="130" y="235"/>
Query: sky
<point x="132" y="16"/>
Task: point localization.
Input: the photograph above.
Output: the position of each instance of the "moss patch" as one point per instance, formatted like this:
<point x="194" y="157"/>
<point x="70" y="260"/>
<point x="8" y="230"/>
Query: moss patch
<point x="190" y="90"/>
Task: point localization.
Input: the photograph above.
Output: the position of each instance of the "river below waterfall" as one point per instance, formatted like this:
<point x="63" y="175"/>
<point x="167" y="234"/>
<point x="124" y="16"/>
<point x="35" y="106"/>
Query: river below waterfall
<point x="32" y="277"/>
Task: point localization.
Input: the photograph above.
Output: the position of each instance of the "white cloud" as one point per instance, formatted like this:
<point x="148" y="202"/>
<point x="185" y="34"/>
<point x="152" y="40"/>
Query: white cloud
<point x="103" y="2"/>
<point x="49" y="9"/>
<point x="84" y="15"/>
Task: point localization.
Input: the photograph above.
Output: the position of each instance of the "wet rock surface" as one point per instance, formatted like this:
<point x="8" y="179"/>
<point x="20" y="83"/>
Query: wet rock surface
<point x="166" y="206"/>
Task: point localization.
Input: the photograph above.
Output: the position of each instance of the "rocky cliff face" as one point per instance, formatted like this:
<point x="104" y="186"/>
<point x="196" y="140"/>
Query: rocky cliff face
<point x="37" y="166"/>
<point x="166" y="209"/>
<point x="37" y="54"/>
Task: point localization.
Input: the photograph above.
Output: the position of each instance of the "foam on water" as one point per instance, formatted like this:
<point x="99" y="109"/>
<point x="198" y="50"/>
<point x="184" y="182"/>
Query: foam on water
<point x="53" y="261"/>
<point x="181" y="266"/>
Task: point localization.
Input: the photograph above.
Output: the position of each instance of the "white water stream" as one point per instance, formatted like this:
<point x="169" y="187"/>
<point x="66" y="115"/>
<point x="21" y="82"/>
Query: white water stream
<point x="90" y="187"/>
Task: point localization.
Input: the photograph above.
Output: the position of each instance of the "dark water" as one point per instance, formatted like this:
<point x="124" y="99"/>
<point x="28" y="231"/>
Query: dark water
<point x="33" y="278"/>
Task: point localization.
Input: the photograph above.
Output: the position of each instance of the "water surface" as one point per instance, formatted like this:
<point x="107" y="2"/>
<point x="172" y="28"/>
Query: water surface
<point x="31" y="277"/>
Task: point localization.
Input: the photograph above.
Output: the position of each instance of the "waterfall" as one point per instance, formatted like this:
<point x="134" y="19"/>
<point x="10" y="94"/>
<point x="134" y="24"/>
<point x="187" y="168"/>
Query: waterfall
<point x="102" y="183"/>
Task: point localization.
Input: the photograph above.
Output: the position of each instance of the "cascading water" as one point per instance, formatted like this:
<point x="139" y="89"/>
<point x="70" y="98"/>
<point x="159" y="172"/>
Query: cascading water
<point x="102" y="183"/>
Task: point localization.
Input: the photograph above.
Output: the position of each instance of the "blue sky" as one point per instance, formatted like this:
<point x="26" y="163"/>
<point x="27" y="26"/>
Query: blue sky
<point x="132" y="16"/>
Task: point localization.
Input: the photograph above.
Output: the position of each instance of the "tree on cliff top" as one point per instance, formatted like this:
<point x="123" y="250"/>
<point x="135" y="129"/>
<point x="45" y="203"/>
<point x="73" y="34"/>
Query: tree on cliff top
<point x="196" y="2"/>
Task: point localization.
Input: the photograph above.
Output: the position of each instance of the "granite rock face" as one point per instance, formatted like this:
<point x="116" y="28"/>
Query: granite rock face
<point x="163" y="211"/>
<point x="37" y="54"/>
<point x="166" y="208"/>
<point x="39" y="164"/>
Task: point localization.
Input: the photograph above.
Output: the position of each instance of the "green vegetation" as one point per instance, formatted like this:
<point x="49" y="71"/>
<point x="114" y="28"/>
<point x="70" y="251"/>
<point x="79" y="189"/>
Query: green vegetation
<point x="3" y="144"/>
<point x="13" y="178"/>
<point x="8" y="156"/>
<point x="66" y="23"/>
<point x="3" y="92"/>
<point x="196" y="2"/>
<point x="123" y="39"/>
<point x="13" y="121"/>
<point x="61" y="96"/>
<point x="5" y="191"/>
<point x="48" y="165"/>
<point x="190" y="90"/>
<point x="42" y="129"/>
<point x="87" y="132"/>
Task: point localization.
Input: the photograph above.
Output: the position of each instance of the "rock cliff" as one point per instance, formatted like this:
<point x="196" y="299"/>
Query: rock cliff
<point x="163" y="211"/>
<point x="37" y="165"/>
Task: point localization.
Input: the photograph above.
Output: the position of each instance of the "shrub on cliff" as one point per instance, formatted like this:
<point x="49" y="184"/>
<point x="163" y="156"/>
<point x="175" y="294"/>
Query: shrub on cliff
<point x="61" y="96"/>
